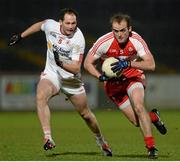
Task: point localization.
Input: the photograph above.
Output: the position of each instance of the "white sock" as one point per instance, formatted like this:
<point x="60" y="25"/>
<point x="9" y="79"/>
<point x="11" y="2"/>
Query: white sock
<point x="100" y="139"/>
<point x="47" y="133"/>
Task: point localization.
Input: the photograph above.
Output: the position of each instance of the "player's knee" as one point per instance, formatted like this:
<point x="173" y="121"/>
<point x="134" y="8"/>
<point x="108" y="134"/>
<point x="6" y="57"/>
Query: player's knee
<point x="86" y="115"/>
<point x="139" y="108"/>
<point x="135" y="123"/>
<point x="40" y="97"/>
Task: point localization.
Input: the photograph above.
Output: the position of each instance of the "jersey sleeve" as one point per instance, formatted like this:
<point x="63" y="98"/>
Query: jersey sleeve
<point x="140" y="45"/>
<point x="47" y="25"/>
<point x="96" y="51"/>
<point x="102" y="45"/>
<point x="78" y="46"/>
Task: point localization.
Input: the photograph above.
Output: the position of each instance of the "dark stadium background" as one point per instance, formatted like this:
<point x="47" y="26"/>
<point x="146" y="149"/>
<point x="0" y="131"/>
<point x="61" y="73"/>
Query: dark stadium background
<point x="156" y="20"/>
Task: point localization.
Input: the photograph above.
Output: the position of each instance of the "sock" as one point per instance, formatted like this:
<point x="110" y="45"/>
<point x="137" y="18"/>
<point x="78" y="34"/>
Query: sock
<point x="100" y="139"/>
<point x="149" y="141"/>
<point x="47" y="133"/>
<point x="153" y="116"/>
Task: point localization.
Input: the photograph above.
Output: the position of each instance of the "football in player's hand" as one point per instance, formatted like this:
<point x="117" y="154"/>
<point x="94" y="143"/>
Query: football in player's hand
<point x="106" y="67"/>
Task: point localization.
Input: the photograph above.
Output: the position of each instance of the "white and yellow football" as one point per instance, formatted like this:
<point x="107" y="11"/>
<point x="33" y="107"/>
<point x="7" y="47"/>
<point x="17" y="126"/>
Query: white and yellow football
<point x="106" y="67"/>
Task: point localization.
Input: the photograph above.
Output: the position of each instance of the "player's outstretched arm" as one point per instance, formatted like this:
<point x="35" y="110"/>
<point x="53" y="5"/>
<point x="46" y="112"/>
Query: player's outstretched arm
<point x="14" y="39"/>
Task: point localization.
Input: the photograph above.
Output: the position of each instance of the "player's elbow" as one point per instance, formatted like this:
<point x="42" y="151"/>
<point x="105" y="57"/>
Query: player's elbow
<point x="150" y="65"/>
<point x="153" y="67"/>
<point x="76" y="70"/>
<point x="86" y="64"/>
<point x="72" y="69"/>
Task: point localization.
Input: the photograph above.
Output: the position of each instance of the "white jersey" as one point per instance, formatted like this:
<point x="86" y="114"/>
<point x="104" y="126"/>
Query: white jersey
<point x="69" y="48"/>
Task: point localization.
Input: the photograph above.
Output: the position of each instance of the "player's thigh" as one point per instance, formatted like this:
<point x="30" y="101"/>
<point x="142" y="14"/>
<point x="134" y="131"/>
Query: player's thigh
<point x="79" y="101"/>
<point x="136" y="94"/>
<point x="46" y="89"/>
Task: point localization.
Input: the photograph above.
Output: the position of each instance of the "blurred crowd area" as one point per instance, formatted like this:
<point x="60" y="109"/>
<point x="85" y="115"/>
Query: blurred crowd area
<point x="156" y="21"/>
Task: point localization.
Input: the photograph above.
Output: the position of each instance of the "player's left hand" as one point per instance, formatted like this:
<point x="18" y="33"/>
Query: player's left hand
<point x="120" y="65"/>
<point x="14" y="39"/>
<point x="56" y="58"/>
<point x="103" y="77"/>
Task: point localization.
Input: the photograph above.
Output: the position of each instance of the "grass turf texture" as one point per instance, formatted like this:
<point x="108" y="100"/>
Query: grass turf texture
<point x="21" y="137"/>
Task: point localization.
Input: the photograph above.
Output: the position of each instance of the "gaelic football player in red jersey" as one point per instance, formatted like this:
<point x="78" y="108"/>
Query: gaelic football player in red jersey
<point x="127" y="91"/>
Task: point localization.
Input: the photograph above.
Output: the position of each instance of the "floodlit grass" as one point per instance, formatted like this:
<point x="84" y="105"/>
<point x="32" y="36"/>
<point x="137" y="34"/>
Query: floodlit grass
<point x="21" y="137"/>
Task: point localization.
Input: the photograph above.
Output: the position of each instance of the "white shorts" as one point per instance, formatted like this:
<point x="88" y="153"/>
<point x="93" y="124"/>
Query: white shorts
<point x="68" y="88"/>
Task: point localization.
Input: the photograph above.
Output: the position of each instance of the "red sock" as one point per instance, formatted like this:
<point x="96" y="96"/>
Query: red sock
<point x="149" y="141"/>
<point x="153" y="116"/>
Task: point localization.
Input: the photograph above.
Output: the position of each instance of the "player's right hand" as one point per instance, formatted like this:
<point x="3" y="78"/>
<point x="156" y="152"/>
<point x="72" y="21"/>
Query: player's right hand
<point x="103" y="77"/>
<point x="14" y="39"/>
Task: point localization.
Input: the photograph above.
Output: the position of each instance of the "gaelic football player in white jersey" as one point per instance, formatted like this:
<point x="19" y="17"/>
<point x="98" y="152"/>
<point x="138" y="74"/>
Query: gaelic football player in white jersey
<point x="65" y="49"/>
<point x="127" y="91"/>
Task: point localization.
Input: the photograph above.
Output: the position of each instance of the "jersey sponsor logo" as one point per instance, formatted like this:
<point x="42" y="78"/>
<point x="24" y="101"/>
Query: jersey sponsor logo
<point x="61" y="51"/>
<point x="49" y="45"/>
<point x="53" y="34"/>
<point x="130" y="49"/>
<point x="114" y="51"/>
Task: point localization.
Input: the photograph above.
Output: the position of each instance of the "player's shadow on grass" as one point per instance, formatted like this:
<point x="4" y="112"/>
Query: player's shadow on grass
<point x="71" y="153"/>
<point x="137" y="156"/>
<point x="142" y="156"/>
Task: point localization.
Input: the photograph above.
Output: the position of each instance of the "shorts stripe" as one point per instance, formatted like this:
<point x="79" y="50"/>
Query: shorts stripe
<point x="124" y="105"/>
<point x="134" y="86"/>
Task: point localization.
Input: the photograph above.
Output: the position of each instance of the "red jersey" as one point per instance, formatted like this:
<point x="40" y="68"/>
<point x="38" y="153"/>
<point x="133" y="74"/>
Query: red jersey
<point x="108" y="46"/>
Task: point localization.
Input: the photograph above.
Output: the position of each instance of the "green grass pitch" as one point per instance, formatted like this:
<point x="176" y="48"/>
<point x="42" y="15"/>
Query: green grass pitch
<point x="21" y="137"/>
